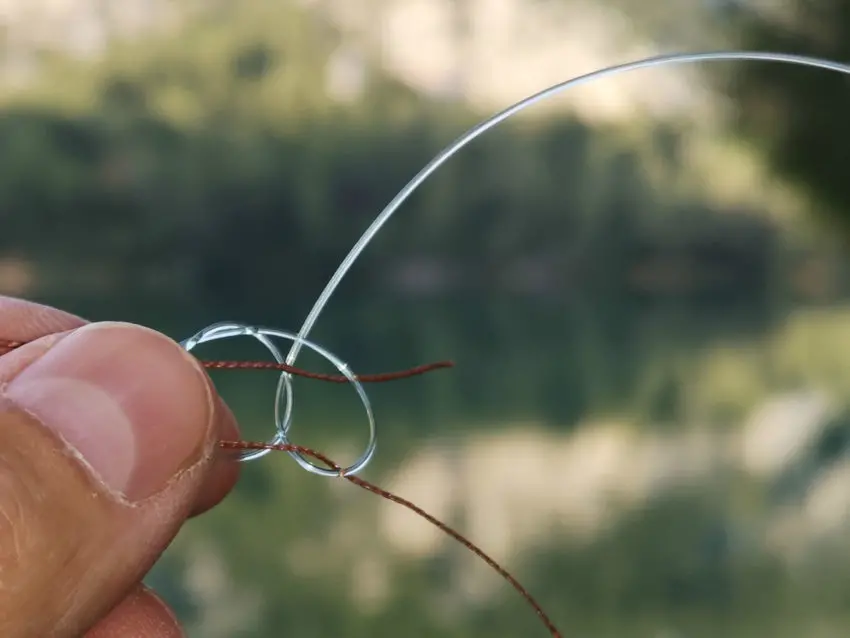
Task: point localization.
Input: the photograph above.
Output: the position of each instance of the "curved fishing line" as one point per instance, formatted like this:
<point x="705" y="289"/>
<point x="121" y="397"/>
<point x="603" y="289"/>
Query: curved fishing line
<point x="283" y="397"/>
<point x="384" y="216"/>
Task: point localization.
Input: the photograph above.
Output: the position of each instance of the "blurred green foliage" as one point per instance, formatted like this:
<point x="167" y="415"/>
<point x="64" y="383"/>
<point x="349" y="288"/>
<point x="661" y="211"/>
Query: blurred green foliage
<point x="209" y="171"/>
<point x="212" y="163"/>
<point x="798" y="115"/>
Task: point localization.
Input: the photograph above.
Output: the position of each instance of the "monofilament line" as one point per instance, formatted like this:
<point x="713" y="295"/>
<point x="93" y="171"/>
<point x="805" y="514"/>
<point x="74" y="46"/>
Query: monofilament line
<point x="384" y="216"/>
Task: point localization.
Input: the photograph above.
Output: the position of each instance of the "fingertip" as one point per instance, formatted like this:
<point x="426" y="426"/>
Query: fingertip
<point x="26" y="320"/>
<point x="126" y="398"/>
<point x="224" y="472"/>
<point x="142" y="613"/>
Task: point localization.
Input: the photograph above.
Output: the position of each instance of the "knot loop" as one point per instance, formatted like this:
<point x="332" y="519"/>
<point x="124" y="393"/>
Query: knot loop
<point x="284" y="395"/>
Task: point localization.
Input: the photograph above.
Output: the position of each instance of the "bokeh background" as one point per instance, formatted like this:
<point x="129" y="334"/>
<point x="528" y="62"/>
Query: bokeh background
<point x="643" y="283"/>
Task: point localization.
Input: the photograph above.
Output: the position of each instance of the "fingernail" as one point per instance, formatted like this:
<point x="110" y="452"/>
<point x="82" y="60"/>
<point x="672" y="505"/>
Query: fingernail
<point x="128" y="400"/>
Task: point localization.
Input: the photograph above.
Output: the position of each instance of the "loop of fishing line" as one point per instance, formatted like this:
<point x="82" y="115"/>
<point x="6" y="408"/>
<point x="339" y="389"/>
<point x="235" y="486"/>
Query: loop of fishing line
<point x="284" y="395"/>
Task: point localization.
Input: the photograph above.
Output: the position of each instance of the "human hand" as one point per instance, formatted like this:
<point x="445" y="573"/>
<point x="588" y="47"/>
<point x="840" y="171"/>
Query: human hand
<point x="107" y="444"/>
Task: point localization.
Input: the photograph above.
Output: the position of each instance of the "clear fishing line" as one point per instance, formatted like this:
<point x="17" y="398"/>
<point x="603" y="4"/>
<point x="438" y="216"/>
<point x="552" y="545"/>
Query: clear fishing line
<point x="283" y="397"/>
<point x="284" y="392"/>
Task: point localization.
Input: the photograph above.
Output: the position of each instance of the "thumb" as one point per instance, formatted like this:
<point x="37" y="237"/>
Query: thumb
<point x="106" y="434"/>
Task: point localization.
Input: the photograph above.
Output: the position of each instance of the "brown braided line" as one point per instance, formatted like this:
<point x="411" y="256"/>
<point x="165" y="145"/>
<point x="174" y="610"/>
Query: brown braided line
<point x="8" y="345"/>
<point x="366" y="485"/>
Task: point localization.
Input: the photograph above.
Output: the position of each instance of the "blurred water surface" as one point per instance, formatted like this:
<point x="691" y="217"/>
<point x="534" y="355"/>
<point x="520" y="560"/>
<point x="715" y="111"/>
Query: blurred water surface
<point x="645" y="469"/>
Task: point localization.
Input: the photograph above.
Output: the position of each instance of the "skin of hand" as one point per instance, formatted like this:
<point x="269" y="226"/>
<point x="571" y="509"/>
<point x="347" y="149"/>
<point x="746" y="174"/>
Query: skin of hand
<point x="108" y="437"/>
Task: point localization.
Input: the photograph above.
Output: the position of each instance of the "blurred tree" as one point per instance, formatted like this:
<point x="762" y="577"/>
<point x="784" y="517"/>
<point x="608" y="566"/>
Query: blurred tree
<point x="798" y="114"/>
<point x="215" y="155"/>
